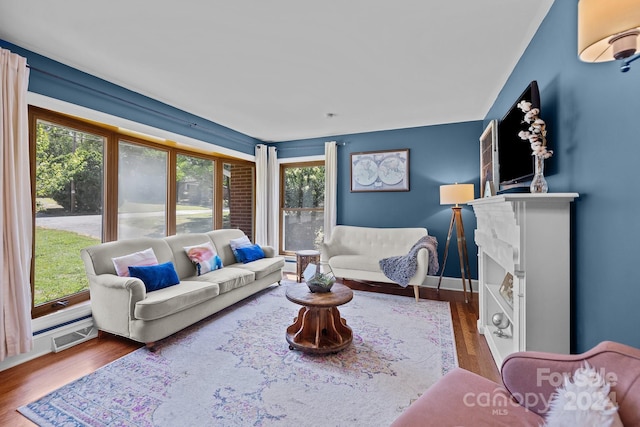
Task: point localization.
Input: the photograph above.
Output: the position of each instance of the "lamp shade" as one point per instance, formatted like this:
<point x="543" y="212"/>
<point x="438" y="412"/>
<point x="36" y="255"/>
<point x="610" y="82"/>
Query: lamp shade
<point x="600" y="21"/>
<point x="453" y="194"/>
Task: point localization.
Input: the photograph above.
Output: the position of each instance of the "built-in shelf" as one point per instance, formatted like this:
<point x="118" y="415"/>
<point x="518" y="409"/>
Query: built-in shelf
<point x="503" y="306"/>
<point x="528" y="236"/>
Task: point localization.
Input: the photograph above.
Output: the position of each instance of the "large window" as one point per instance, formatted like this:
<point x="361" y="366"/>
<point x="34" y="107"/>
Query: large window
<point x="69" y="171"/>
<point x="301" y="206"/>
<point x="94" y="184"/>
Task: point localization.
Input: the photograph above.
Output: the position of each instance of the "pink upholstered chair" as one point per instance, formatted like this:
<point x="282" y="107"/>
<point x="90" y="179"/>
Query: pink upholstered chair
<point x="462" y="398"/>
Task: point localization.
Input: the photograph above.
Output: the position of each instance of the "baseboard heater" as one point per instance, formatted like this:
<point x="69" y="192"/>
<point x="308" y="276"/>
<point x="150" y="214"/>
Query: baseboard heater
<point x="72" y="338"/>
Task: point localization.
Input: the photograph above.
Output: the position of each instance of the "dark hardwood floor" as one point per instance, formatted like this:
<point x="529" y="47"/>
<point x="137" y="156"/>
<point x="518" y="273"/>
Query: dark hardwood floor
<point x="29" y="381"/>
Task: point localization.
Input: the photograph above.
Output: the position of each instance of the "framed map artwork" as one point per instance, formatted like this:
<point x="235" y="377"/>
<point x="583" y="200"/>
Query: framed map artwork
<point x="380" y="171"/>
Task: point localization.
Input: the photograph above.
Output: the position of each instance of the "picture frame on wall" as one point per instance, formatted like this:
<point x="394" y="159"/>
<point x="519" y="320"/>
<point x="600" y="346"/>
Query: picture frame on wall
<point x="489" y="171"/>
<point x="380" y="171"/>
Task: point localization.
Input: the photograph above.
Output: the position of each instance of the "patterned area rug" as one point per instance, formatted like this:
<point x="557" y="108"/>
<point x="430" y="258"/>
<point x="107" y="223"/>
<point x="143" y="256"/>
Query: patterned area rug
<point x="236" y="369"/>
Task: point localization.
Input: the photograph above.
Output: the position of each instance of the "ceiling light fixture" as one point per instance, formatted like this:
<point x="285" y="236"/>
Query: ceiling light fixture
<point x="608" y="31"/>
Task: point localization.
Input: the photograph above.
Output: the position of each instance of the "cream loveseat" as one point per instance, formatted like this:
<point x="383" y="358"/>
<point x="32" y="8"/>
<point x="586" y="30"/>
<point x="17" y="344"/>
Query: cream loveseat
<point x="355" y="252"/>
<point x="122" y="305"/>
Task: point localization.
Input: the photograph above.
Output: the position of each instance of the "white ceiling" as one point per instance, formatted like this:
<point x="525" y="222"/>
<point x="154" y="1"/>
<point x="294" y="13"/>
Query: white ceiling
<point x="274" y="69"/>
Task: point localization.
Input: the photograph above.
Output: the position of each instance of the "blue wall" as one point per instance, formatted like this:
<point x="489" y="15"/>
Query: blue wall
<point x="56" y="80"/>
<point x="441" y="154"/>
<point x="592" y="113"/>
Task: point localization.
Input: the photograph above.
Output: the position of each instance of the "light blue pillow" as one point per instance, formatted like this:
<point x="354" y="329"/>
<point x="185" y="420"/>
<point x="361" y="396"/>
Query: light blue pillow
<point x="156" y="277"/>
<point x="247" y="254"/>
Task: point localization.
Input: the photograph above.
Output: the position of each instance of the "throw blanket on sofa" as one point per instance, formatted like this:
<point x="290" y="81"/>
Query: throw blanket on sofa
<point x="401" y="268"/>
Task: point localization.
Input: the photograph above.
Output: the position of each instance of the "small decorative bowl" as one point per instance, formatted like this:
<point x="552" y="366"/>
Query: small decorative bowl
<point x="314" y="287"/>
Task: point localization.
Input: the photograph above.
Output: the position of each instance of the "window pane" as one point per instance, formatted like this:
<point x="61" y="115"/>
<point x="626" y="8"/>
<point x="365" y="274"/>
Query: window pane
<point x="302" y="219"/>
<point x="302" y="230"/>
<point x="194" y="193"/>
<point x="237" y="202"/>
<point x="69" y="195"/>
<point x="142" y="191"/>
<point x="304" y="187"/>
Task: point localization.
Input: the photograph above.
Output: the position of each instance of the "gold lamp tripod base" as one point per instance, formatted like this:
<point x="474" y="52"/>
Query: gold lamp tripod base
<point x="465" y="271"/>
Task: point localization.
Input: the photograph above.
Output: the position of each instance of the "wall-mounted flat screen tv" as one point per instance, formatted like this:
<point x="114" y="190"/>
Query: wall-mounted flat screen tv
<point x="514" y="154"/>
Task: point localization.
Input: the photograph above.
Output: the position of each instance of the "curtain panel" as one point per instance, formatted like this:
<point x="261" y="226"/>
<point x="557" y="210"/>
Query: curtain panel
<point x="274" y="199"/>
<point x="262" y="195"/>
<point x="330" y="187"/>
<point x="16" y="214"/>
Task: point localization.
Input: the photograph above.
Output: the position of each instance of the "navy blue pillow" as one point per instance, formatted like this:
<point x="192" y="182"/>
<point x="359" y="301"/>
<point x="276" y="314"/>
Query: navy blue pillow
<point x="156" y="276"/>
<point x="247" y="254"/>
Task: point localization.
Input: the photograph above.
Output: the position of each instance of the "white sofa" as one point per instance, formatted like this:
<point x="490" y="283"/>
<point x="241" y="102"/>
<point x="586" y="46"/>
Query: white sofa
<point x="122" y="306"/>
<point x="355" y="252"/>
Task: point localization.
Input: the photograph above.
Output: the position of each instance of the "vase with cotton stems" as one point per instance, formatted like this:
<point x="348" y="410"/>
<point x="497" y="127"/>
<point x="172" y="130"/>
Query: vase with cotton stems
<point x="537" y="137"/>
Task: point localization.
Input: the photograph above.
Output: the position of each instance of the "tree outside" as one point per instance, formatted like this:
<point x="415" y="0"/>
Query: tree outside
<point x="303" y="207"/>
<point x="69" y="168"/>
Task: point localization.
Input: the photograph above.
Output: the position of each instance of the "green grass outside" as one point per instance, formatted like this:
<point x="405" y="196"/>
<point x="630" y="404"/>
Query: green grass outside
<point x="59" y="270"/>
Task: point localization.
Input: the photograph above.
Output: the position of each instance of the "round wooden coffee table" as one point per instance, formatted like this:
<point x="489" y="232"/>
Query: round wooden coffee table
<point x="319" y="328"/>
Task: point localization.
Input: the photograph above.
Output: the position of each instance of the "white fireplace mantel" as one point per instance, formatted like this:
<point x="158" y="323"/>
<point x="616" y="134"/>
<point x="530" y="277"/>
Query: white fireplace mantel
<point x="528" y="236"/>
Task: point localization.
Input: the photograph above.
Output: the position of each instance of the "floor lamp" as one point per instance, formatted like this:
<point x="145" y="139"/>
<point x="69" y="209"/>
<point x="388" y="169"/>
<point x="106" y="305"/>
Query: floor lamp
<point x="454" y="194"/>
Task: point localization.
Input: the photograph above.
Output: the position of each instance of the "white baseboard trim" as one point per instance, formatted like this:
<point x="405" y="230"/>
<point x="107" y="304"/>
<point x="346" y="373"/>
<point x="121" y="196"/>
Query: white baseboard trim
<point x="56" y="325"/>
<point x="449" y="283"/>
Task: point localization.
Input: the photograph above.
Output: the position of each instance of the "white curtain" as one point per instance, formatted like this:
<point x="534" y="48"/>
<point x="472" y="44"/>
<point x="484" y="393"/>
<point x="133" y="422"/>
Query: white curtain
<point x="262" y="196"/>
<point x="273" y="208"/>
<point x="330" y="187"/>
<point x="15" y="208"/>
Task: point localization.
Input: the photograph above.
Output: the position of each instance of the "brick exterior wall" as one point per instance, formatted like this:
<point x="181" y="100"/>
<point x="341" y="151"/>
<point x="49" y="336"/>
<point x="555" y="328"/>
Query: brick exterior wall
<point x="241" y="198"/>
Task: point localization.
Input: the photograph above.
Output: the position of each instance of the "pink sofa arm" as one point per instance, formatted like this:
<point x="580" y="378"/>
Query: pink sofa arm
<point x="532" y="377"/>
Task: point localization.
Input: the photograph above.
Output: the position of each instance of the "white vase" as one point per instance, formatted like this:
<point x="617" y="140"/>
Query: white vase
<point x="538" y="184"/>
